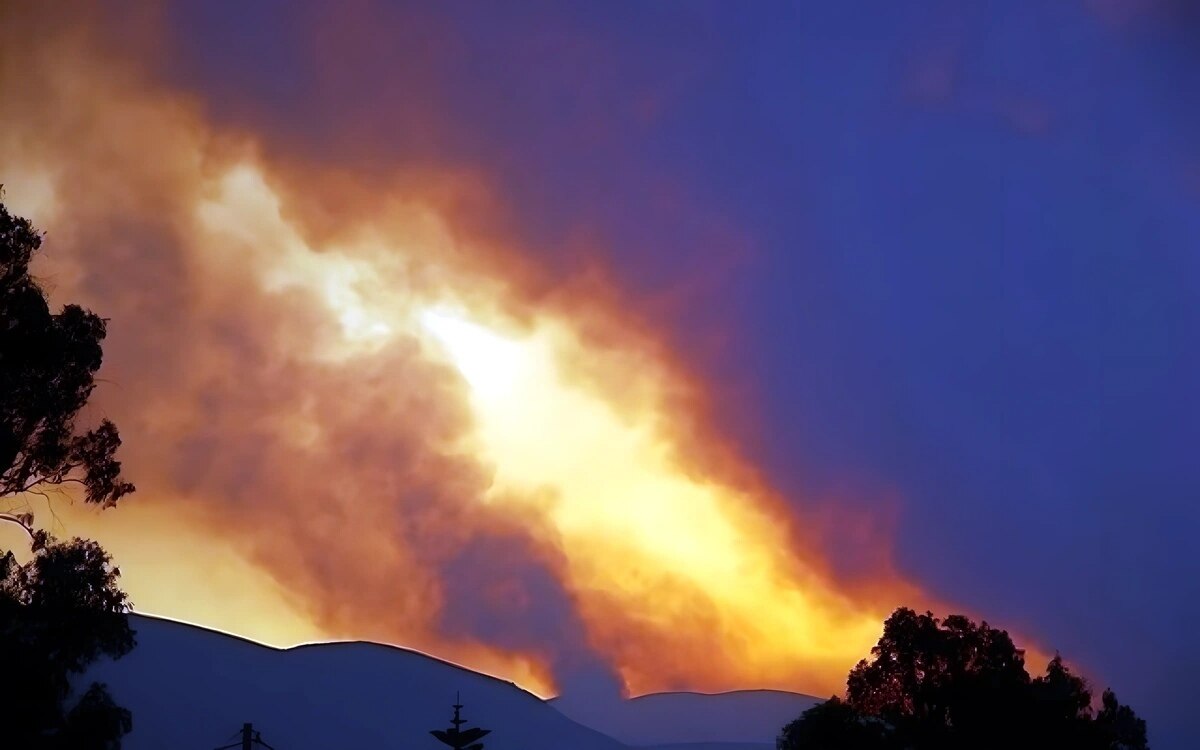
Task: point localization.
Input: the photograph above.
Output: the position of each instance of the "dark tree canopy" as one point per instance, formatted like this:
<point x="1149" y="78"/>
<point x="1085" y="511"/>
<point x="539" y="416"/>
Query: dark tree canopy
<point x="59" y="613"/>
<point x="935" y="684"/>
<point x="1118" y="725"/>
<point x="942" y="680"/>
<point x="63" y="609"/>
<point x="47" y="367"/>
<point x="834" y="725"/>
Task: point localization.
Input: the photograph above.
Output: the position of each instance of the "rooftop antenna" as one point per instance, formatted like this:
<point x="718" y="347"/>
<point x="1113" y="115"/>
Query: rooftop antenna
<point x="456" y="737"/>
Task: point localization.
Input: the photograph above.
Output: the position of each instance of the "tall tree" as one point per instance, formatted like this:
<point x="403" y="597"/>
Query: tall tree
<point x="1119" y="727"/>
<point x="941" y="683"/>
<point x="1061" y="707"/>
<point x="59" y="613"/>
<point x="935" y="684"/>
<point x="63" y="609"/>
<point x="48" y="363"/>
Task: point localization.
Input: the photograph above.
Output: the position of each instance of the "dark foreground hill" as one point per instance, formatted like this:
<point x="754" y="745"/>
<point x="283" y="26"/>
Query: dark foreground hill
<point x="721" y="721"/>
<point x="192" y="688"/>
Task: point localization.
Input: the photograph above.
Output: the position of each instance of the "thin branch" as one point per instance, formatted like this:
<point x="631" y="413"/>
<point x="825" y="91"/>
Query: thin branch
<point x="54" y="482"/>
<point x="22" y="521"/>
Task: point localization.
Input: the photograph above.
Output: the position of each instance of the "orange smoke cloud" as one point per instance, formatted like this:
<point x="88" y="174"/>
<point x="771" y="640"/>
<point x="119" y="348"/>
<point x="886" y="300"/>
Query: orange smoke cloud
<point x="351" y="412"/>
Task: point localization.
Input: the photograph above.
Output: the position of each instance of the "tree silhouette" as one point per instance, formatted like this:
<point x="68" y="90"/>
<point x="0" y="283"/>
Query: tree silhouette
<point x="58" y="613"/>
<point x="63" y="609"/>
<point x="1062" y="705"/>
<point x="1119" y="728"/>
<point x="834" y="725"/>
<point x="935" y="684"/>
<point x="96" y="722"/>
<point x="48" y="364"/>
<point x="941" y="683"/>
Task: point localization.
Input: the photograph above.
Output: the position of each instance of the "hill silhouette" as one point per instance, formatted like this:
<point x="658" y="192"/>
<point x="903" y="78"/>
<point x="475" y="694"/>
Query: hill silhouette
<point x="192" y="687"/>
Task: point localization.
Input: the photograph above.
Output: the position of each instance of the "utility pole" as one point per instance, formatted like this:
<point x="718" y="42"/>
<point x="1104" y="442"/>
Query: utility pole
<point x="250" y="738"/>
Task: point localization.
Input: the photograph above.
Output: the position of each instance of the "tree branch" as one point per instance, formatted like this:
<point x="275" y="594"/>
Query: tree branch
<point x="24" y="521"/>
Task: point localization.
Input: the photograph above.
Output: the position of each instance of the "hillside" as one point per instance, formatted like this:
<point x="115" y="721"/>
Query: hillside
<point x="193" y="688"/>
<point x="722" y="721"/>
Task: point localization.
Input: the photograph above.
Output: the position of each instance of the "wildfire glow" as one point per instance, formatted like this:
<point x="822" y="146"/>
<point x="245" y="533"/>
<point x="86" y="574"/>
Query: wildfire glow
<point x="494" y="366"/>
<point x="339" y="415"/>
<point x="613" y="486"/>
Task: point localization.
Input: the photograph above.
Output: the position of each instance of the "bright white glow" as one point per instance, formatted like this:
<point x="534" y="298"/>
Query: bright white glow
<point x="610" y="477"/>
<point x="491" y="364"/>
<point x="248" y="211"/>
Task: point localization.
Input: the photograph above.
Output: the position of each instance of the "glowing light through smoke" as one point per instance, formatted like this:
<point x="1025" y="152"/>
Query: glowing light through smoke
<point x="614" y="487"/>
<point x="493" y="365"/>
<point x="351" y="395"/>
<point x="635" y="527"/>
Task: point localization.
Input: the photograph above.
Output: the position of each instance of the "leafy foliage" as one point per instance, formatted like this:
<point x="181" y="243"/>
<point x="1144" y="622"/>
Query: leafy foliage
<point x="63" y="609"/>
<point x="96" y="722"/>
<point x="58" y="613"/>
<point x="1118" y="726"/>
<point x="834" y="725"/>
<point x="935" y="684"/>
<point x="47" y="369"/>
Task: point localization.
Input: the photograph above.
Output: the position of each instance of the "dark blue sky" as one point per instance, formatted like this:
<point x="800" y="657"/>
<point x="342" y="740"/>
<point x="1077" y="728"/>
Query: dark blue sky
<point x="951" y="253"/>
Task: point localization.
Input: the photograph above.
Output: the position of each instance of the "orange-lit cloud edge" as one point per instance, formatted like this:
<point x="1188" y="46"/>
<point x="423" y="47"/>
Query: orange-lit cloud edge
<point x="351" y="417"/>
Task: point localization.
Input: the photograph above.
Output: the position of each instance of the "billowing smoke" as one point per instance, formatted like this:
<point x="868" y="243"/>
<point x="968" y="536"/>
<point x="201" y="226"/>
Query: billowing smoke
<point x="340" y="394"/>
